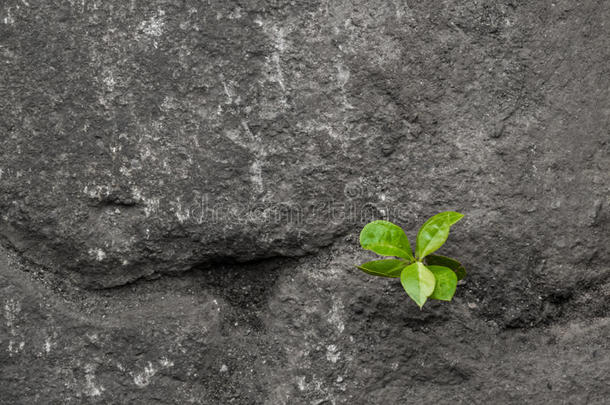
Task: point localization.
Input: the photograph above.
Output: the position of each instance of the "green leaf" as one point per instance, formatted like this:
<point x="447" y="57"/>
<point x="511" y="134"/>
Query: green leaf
<point x="418" y="282"/>
<point x="386" y="239"/>
<point x="434" y="232"/>
<point x="438" y="260"/>
<point x="446" y="283"/>
<point x="384" y="268"/>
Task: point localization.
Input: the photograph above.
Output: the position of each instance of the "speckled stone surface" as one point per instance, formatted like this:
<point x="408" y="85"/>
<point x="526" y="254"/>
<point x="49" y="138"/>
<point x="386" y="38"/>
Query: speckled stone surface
<point x="182" y="184"/>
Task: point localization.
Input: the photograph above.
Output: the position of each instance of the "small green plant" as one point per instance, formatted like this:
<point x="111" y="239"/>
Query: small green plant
<point x="424" y="275"/>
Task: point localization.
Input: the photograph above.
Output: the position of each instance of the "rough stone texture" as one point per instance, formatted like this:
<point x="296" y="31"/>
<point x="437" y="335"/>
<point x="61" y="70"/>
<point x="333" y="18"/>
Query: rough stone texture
<point x="289" y="332"/>
<point x="246" y="142"/>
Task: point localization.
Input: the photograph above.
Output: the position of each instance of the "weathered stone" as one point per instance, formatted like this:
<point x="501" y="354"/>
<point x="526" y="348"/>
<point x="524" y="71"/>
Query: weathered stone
<point x="139" y="139"/>
<point x="289" y="332"/>
<point x="145" y="137"/>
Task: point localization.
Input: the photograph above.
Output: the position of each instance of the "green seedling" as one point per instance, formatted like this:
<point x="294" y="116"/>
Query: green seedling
<point x="422" y="275"/>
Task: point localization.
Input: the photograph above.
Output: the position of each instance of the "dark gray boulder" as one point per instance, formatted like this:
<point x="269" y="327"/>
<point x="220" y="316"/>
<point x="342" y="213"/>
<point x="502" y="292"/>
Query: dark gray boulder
<point x="249" y="142"/>
<point x="146" y="138"/>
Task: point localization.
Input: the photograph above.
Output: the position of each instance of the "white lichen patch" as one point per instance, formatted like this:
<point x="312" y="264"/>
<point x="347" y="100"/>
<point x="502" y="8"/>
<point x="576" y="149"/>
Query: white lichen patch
<point x="92" y="389"/>
<point x="109" y="80"/>
<point x="12" y="309"/>
<point x="301" y="383"/>
<point x="144" y="378"/>
<point x="14" y="347"/>
<point x="47" y="345"/>
<point x="165" y="362"/>
<point x="8" y="18"/>
<point x="96" y="192"/>
<point x="169" y="103"/>
<point x="235" y="14"/>
<point x="98" y="254"/>
<point x="115" y="149"/>
<point x="332" y="353"/>
<point x="153" y="27"/>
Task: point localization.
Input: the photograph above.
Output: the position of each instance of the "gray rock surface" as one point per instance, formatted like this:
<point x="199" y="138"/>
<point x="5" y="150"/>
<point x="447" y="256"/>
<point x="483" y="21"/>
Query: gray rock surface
<point x="248" y="142"/>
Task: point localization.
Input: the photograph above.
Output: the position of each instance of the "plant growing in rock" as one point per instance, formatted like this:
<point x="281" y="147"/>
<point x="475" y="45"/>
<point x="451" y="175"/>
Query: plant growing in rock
<point x="422" y="275"/>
